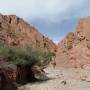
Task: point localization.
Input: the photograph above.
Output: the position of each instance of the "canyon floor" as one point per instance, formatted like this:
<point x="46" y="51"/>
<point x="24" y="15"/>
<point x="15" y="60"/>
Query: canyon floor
<point x="62" y="79"/>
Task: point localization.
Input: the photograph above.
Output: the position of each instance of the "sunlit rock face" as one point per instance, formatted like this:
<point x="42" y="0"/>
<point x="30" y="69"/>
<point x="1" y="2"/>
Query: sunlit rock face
<point x="15" y="31"/>
<point x="74" y="50"/>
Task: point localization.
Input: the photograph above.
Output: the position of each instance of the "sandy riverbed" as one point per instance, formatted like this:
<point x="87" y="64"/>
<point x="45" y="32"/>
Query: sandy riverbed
<point x="62" y="79"/>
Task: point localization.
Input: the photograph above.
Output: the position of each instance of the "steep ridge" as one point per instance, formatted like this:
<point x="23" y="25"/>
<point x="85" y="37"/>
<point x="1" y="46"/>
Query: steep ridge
<point x="74" y="50"/>
<point x="15" y="31"/>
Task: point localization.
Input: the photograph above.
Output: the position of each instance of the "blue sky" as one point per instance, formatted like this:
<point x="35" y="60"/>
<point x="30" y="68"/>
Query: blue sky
<point x="53" y="18"/>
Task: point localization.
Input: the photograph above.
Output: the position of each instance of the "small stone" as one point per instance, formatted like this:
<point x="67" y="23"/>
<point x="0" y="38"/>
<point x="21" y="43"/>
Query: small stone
<point x="64" y="82"/>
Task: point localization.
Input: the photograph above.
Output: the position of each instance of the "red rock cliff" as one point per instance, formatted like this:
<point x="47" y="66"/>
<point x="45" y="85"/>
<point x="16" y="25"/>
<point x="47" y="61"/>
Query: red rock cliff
<point x="74" y="50"/>
<point x="15" y="31"/>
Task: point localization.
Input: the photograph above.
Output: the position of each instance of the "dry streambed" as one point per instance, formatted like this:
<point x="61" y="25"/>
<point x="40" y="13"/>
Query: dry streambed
<point x="62" y="79"/>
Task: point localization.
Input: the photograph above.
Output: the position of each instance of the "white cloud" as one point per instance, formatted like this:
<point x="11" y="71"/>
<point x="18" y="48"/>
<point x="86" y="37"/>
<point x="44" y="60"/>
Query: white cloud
<point x="50" y="10"/>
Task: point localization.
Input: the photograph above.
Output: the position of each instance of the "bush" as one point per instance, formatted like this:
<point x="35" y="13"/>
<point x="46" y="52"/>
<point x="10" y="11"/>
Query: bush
<point x="26" y="56"/>
<point x="45" y="58"/>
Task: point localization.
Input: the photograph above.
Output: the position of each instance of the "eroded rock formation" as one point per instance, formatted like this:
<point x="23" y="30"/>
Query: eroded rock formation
<point x="74" y="50"/>
<point x="7" y="76"/>
<point x="15" y="31"/>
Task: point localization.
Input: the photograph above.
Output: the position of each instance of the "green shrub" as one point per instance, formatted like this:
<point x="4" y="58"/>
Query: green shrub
<point x="45" y="58"/>
<point x="26" y="56"/>
<point x="69" y="45"/>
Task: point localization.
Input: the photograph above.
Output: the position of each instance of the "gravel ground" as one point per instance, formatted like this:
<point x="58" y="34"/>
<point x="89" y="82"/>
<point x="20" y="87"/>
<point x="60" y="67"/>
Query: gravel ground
<point x="62" y="79"/>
